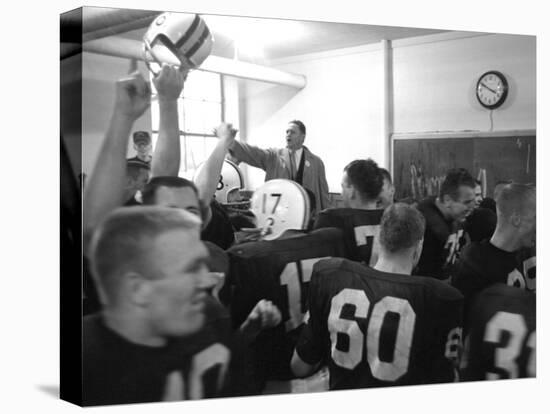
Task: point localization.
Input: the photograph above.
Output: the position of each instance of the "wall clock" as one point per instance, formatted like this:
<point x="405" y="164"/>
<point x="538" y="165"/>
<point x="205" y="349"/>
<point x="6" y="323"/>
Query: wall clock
<point x="492" y="89"/>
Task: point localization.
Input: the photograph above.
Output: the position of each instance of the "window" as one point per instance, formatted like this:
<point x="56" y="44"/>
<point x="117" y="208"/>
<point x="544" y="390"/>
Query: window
<point x="200" y="110"/>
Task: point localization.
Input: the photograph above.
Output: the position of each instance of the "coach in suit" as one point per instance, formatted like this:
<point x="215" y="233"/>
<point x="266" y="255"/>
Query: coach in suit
<point x="295" y="162"/>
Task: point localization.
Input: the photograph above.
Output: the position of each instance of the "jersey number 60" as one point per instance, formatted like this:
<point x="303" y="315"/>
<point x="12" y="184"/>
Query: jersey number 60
<point x="385" y="371"/>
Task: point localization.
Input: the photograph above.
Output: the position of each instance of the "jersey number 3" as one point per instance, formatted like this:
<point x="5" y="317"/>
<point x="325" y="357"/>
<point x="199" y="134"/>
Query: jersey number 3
<point x="506" y="357"/>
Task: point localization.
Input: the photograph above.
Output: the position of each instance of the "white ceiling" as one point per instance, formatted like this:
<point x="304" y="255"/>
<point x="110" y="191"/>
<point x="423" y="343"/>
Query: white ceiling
<point x="284" y="38"/>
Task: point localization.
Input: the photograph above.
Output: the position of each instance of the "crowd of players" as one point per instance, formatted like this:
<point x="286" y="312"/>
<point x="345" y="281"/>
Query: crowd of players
<point x="187" y="298"/>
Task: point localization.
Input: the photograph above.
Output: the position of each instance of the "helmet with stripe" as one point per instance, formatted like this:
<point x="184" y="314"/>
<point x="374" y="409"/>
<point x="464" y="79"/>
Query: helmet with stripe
<point x="184" y="35"/>
<point x="230" y="183"/>
<point x="280" y="205"/>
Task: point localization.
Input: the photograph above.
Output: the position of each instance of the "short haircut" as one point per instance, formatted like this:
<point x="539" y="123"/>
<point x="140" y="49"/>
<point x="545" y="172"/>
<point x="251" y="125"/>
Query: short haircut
<point x="455" y="179"/>
<point x="386" y="174"/>
<point x="401" y="227"/>
<point x="150" y="190"/>
<point x="133" y="168"/>
<point x="300" y="125"/>
<point x="124" y="240"/>
<point x="366" y="177"/>
<point x="516" y="198"/>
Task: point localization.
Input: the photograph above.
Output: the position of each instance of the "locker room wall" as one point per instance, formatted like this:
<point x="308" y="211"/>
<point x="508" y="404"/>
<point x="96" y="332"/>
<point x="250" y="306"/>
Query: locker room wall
<point x="433" y="90"/>
<point x="341" y="105"/>
<point x="434" y="83"/>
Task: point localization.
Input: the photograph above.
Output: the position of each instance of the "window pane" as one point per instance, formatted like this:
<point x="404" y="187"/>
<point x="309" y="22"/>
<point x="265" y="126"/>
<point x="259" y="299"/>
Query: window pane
<point x="202" y="86"/>
<point x="196" y="152"/>
<point x="200" y="117"/>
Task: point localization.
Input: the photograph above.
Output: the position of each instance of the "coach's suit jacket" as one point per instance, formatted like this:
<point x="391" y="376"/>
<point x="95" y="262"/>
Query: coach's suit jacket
<point x="276" y="164"/>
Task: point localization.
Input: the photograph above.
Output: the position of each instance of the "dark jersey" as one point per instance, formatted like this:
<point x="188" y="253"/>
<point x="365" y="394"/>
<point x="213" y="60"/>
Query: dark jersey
<point x="480" y="224"/>
<point x="117" y="371"/>
<point x="360" y="228"/>
<point x="502" y="339"/>
<point x="483" y="264"/>
<point x="279" y="271"/>
<point x="378" y="329"/>
<point x="219" y="230"/>
<point x="443" y="240"/>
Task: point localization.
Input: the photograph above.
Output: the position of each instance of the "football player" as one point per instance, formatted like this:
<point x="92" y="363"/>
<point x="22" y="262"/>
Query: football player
<point x="149" y="266"/>
<point x="278" y="268"/>
<point x="104" y="193"/>
<point x="359" y="219"/>
<point x="160" y="336"/>
<point x="380" y="326"/>
<point x="509" y="256"/>
<point x="501" y="343"/>
<point x="445" y="215"/>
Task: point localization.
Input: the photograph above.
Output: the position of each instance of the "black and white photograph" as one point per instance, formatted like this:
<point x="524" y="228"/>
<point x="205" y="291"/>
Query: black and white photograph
<point x="295" y="210"/>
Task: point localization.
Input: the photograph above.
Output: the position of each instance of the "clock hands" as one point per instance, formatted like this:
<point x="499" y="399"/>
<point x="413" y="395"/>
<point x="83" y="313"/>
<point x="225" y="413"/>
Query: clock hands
<point x="486" y="87"/>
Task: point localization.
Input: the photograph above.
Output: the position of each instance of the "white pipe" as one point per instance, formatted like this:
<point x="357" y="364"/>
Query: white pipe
<point x="100" y="22"/>
<point x="387" y="104"/>
<point x="133" y="49"/>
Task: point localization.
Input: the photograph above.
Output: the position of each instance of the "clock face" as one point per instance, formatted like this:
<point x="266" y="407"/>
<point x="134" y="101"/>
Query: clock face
<point x="492" y="89"/>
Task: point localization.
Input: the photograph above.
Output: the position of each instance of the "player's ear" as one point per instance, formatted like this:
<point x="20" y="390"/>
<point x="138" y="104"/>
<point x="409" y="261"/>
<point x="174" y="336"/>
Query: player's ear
<point x="515" y="219"/>
<point x="138" y="288"/>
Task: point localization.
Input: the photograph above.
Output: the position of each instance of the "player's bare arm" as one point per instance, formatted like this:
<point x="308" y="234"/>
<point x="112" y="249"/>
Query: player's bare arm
<point x="105" y="187"/>
<point x="169" y="84"/>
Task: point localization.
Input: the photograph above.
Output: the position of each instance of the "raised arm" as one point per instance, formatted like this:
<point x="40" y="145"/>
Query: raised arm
<point x="167" y="155"/>
<point x="251" y="155"/>
<point x="209" y="176"/>
<point x="105" y="186"/>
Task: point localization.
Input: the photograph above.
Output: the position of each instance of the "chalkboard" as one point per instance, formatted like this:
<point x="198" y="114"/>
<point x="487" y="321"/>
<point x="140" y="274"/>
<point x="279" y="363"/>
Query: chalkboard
<point x="420" y="164"/>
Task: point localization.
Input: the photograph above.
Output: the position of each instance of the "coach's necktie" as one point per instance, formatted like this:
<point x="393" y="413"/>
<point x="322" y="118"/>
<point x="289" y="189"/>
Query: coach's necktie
<point x="292" y="165"/>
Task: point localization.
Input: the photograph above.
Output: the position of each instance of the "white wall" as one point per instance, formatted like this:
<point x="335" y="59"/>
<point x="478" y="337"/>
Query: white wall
<point x="341" y="107"/>
<point x="433" y="83"/>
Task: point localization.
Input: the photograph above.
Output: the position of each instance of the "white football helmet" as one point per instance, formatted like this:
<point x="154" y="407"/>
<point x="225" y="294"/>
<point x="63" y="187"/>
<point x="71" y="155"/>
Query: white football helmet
<point x="230" y="182"/>
<point x="280" y="205"/>
<point x="184" y="35"/>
